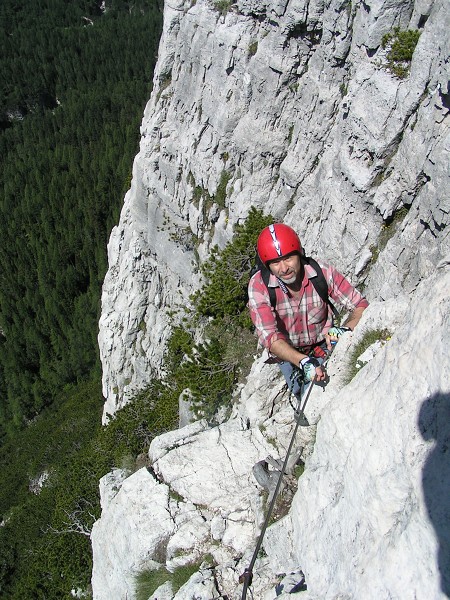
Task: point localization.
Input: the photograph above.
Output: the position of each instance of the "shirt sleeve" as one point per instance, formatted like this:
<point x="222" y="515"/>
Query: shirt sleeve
<point x="341" y="290"/>
<point x="261" y="312"/>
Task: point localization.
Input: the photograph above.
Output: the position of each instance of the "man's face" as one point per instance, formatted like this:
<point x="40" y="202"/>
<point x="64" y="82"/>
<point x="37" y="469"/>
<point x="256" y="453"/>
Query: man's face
<point x="288" y="268"/>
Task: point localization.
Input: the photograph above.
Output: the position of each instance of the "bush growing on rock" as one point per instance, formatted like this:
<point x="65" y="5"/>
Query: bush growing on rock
<point x="401" y="46"/>
<point x="207" y="371"/>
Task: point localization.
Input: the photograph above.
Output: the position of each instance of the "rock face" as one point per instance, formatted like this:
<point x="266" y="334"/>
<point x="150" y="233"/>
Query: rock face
<point x="289" y="106"/>
<point x="369" y="519"/>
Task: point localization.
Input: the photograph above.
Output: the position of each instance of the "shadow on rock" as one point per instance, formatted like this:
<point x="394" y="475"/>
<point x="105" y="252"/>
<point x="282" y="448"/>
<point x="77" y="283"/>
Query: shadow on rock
<point x="434" y="423"/>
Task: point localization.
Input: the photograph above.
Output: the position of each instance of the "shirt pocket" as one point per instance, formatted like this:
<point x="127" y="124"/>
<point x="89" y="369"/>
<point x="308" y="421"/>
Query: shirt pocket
<point x="285" y="310"/>
<point x="317" y="313"/>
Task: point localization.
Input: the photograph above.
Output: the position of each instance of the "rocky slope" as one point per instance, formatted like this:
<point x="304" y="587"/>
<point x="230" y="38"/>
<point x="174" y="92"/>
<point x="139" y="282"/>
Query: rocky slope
<point x="370" y="518"/>
<point x="289" y="106"/>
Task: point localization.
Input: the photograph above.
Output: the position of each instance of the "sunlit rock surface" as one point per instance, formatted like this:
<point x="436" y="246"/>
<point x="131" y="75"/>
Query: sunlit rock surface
<point x="291" y="105"/>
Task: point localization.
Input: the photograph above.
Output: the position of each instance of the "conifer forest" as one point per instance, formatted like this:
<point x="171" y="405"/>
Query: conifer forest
<point x="75" y="79"/>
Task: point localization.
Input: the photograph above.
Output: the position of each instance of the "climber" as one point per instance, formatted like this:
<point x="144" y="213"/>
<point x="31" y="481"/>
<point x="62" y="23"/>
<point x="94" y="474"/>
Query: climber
<point x="289" y="303"/>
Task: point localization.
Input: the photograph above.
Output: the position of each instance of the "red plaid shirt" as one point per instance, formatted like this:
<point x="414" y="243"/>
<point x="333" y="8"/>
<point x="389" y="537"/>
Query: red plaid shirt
<point x="301" y="321"/>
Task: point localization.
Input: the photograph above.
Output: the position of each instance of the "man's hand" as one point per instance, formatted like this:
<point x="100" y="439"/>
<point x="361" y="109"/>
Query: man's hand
<point x="333" y="335"/>
<point x="312" y="369"/>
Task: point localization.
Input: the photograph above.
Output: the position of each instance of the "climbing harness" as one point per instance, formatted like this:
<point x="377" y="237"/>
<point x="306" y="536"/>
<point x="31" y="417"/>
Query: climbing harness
<point x="247" y="575"/>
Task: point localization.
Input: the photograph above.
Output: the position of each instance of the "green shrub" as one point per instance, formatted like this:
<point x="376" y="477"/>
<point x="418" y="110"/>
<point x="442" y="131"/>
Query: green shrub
<point x="401" y="46"/>
<point x="207" y="370"/>
<point x="227" y="272"/>
<point x="153" y="411"/>
<point x="223" y="6"/>
<point x="208" y="381"/>
<point x="199" y="193"/>
<point x="291" y="131"/>
<point x="221" y="192"/>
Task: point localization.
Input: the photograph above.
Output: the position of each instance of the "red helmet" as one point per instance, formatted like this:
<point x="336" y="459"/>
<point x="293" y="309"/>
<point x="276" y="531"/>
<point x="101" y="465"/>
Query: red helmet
<point x="277" y="240"/>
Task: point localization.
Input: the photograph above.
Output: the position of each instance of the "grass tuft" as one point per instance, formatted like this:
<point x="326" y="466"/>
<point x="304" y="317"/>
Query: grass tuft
<point x="370" y="337"/>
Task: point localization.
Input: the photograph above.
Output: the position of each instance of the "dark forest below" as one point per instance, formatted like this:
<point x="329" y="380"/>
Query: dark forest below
<point x="75" y="80"/>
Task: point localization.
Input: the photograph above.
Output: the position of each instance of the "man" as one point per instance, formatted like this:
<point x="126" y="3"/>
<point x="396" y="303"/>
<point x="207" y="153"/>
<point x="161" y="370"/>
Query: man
<point x="299" y="331"/>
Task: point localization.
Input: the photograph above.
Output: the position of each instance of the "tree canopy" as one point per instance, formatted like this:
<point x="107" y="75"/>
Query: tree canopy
<point x="75" y="79"/>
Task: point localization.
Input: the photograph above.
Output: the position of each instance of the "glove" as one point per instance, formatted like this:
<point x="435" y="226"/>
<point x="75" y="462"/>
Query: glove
<point x="336" y="332"/>
<point x="308" y="367"/>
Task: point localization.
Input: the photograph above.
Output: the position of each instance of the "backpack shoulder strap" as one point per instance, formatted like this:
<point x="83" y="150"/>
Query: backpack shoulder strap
<point x="265" y="274"/>
<point x="320" y="282"/>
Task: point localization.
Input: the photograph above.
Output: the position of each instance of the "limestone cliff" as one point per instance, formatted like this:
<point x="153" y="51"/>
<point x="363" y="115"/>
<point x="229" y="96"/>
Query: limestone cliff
<point x="289" y="106"/>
